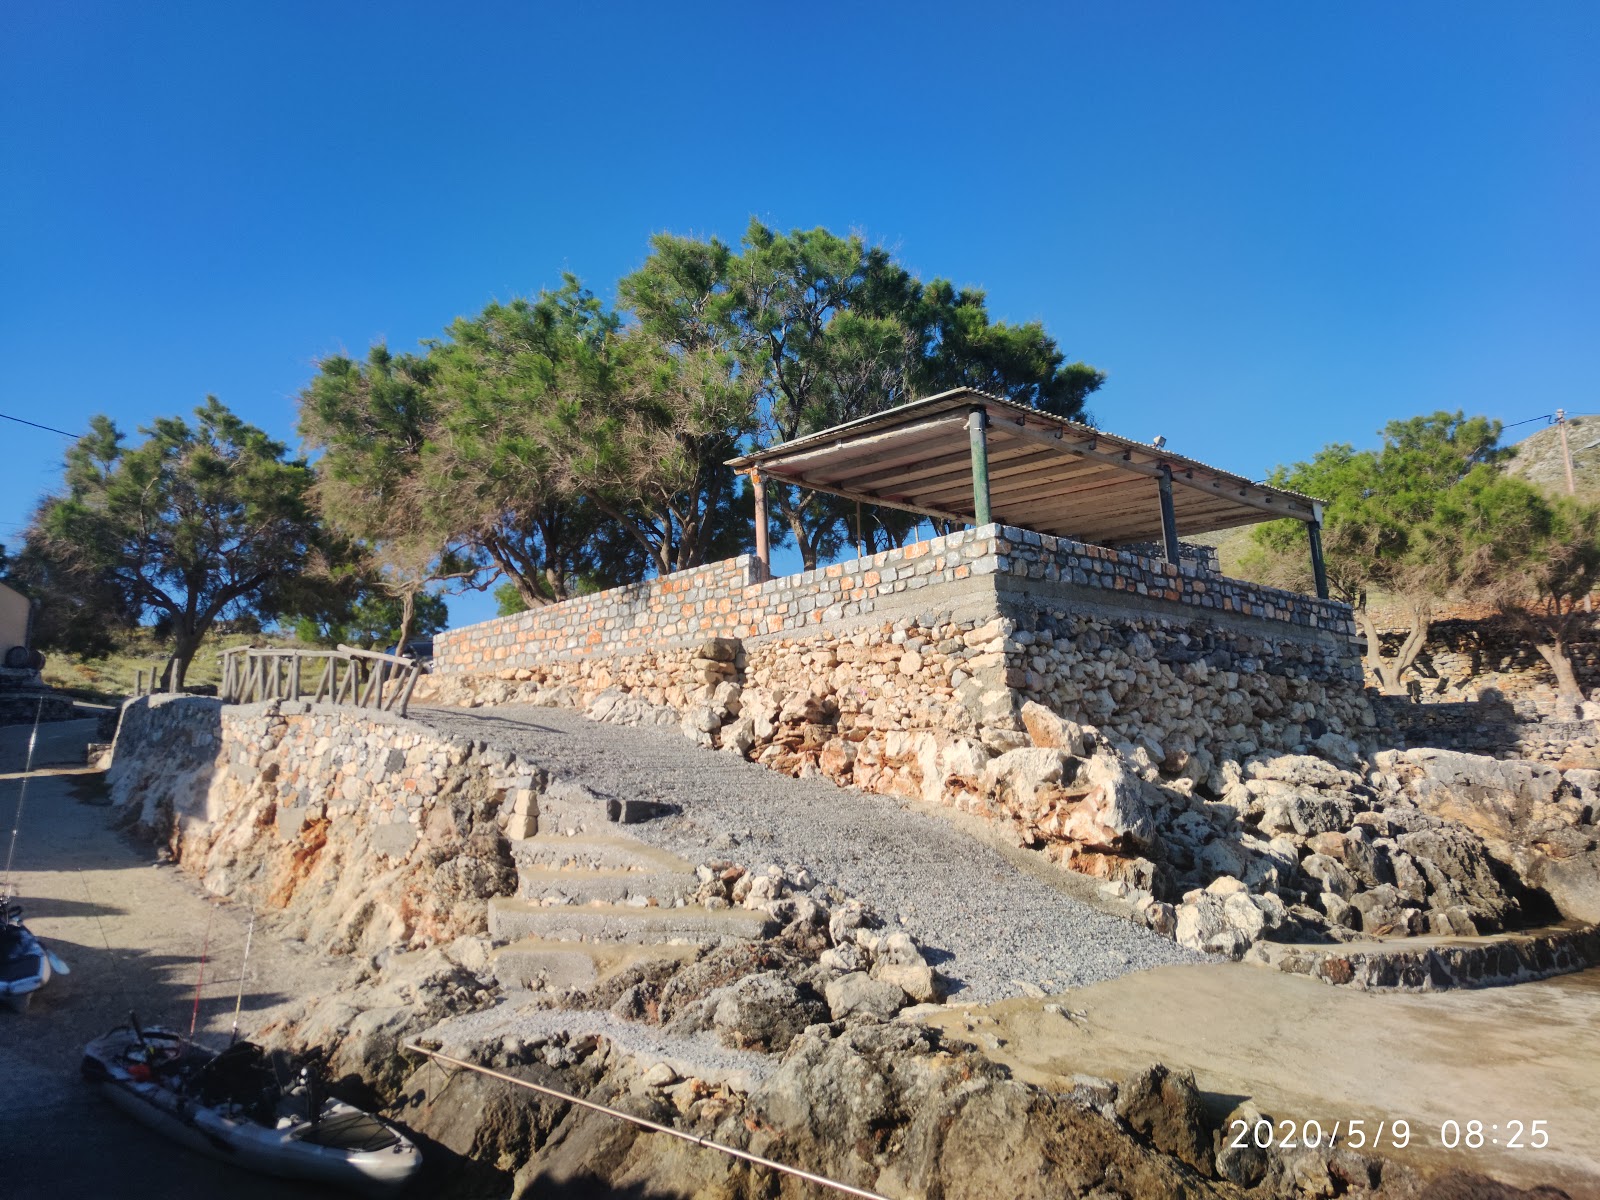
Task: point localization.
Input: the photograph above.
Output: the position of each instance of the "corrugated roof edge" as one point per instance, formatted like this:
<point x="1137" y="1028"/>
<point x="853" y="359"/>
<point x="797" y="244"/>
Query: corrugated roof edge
<point x="948" y="399"/>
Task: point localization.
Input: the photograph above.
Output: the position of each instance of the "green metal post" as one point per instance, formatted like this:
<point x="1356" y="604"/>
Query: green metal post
<point x="977" y="423"/>
<point x="1169" y="518"/>
<point x="1319" y="570"/>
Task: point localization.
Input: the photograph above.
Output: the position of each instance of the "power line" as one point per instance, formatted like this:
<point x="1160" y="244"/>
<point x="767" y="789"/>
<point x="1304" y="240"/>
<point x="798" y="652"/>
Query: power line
<point x="1530" y="420"/>
<point x="36" y="425"/>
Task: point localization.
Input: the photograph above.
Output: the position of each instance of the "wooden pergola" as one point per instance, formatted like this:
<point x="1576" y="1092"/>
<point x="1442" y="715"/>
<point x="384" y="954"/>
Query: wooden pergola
<point x="973" y="458"/>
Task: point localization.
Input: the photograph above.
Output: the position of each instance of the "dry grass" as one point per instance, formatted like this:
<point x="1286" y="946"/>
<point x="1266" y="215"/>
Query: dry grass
<point x="111" y="679"/>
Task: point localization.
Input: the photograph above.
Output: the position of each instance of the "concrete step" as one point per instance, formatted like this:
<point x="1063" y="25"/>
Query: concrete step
<point x="596" y="854"/>
<point x="512" y="920"/>
<point x="561" y="965"/>
<point x="610" y="885"/>
<point x="573" y="810"/>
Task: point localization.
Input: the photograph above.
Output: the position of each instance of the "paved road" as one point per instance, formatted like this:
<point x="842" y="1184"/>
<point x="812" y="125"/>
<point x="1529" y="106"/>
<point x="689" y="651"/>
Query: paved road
<point x="132" y="934"/>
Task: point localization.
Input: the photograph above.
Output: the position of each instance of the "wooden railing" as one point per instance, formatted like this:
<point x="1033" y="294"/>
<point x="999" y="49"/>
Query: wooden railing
<point x="365" y="678"/>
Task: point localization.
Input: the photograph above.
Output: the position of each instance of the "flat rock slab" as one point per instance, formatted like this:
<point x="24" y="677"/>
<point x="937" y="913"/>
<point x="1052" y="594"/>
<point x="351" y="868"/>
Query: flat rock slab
<point x="561" y="965"/>
<point x="608" y="884"/>
<point x="512" y="920"/>
<point x="597" y="854"/>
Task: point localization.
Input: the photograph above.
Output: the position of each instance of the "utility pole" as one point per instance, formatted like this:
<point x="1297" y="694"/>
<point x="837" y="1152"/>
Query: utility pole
<point x="1566" y="450"/>
<point x="1566" y="458"/>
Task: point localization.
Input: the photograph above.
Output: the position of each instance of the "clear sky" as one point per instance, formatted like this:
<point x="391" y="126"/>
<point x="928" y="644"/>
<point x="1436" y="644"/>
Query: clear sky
<point x="1275" y="225"/>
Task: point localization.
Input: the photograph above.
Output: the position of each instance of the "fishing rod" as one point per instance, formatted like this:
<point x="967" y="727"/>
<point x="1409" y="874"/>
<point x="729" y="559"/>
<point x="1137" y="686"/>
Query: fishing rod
<point x="244" y="965"/>
<point x="205" y="946"/>
<point x="22" y="798"/>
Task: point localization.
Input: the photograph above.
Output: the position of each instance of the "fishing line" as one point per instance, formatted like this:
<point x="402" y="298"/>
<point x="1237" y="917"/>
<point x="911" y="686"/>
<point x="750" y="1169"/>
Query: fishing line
<point x="22" y="798"/>
<point x="200" y="979"/>
<point x="119" y="974"/>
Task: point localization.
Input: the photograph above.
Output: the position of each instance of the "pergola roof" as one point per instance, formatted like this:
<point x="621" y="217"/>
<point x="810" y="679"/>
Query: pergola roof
<point x="1045" y="473"/>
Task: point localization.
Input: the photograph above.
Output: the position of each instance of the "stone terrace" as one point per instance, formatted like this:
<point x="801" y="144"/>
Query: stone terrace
<point x="968" y="573"/>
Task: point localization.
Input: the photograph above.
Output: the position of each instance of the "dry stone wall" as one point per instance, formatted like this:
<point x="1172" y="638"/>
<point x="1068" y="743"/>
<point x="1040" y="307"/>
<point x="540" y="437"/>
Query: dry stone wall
<point x="365" y="830"/>
<point x="1145" y="649"/>
<point x="967" y="569"/>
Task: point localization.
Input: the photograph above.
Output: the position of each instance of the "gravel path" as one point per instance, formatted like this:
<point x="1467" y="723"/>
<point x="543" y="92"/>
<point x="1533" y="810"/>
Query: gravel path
<point x="986" y="923"/>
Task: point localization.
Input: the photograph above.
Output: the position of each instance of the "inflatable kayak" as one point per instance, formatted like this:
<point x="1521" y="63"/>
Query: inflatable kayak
<point x="231" y="1105"/>
<point x="25" y="965"/>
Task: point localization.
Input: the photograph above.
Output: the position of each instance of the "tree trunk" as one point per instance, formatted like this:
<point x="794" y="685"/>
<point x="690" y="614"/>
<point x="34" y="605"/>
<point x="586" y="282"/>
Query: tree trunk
<point x="1390" y="672"/>
<point x="408" y="612"/>
<point x="184" y="647"/>
<point x="808" y="552"/>
<point x="1555" y="654"/>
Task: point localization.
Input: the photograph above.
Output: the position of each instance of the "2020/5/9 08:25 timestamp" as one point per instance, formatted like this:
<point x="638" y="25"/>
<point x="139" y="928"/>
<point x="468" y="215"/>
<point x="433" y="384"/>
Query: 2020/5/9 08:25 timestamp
<point x="1358" y="1133"/>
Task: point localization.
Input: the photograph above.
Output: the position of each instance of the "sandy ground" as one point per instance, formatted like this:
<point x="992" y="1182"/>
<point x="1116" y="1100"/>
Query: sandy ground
<point x="1307" y="1051"/>
<point x="132" y="934"/>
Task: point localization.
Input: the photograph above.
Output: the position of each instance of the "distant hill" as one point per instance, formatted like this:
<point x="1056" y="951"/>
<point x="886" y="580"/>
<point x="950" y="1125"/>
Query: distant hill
<point x="1538" y="458"/>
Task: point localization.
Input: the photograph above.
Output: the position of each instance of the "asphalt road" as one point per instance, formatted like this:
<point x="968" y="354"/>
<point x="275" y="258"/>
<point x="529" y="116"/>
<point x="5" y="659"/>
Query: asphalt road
<point x="132" y="934"/>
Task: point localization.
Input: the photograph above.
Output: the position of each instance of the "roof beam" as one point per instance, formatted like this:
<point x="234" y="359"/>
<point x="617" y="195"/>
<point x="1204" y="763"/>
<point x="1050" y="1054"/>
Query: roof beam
<point x="1004" y="469"/>
<point x="871" y="498"/>
<point x="1244" y="493"/>
<point x="910" y="435"/>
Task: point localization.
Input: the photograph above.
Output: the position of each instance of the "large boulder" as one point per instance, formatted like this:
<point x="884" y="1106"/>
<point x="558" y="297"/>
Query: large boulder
<point x="1460" y="873"/>
<point x="1048" y="730"/>
<point x="766" y="1011"/>
<point x="1164" y="1106"/>
<point x="1017" y="775"/>
<point x="858" y="994"/>
<point x="1529" y="816"/>
<point x="1110" y="812"/>
<point x="891" y="1109"/>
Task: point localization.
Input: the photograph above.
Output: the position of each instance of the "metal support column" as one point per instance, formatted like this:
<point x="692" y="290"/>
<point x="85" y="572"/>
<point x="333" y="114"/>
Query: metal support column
<point x="977" y="424"/>
<point x="1319" y="570"/>
<point x="1169" y="518"/>
<point x="758" y="488"/>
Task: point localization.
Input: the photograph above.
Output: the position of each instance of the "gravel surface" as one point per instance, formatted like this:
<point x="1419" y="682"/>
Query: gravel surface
<point x="985" y="923"/>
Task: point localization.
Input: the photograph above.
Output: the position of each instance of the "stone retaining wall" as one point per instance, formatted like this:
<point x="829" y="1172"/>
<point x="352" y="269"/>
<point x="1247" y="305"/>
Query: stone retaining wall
<point x="725" y="600"/>
<point x="1492" y="727"/>
<point x="1483" y="660"/>
<point x="950" y="635"/>
<point x="368" y="830"/>
<point x="1492" y="962"/>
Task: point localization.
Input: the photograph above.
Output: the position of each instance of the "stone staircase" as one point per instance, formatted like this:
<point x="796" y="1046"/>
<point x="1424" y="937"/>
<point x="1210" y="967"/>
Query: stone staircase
<point x="592" y="901"/>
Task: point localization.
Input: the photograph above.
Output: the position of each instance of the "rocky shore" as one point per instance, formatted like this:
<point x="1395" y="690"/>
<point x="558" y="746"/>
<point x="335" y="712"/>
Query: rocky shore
<point x="429" y="854"/>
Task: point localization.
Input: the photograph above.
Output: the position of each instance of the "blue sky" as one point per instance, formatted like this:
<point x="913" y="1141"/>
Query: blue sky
<point x="1274" y="225"/>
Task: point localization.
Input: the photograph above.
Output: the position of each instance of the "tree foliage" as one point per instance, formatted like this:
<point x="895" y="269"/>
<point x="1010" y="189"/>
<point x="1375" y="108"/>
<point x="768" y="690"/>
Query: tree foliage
<point x="824" y="329"/>
<point x="558" y="445"/>
<point x="1431" y="514"/>
<point x="377" y="620"/>
<point x="198" y="522"/>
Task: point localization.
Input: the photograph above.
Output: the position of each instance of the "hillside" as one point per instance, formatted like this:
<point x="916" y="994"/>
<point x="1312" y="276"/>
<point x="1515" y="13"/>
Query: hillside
<point x="1538" y="457"/>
